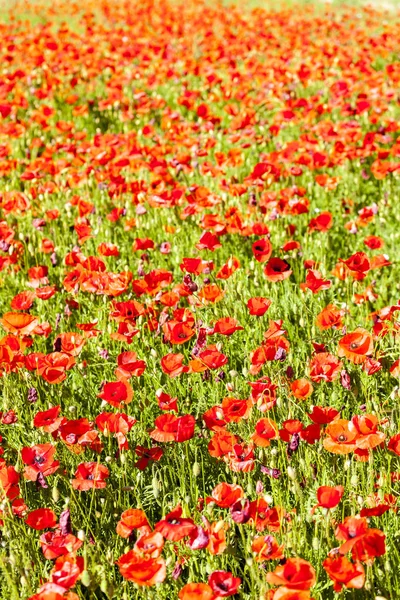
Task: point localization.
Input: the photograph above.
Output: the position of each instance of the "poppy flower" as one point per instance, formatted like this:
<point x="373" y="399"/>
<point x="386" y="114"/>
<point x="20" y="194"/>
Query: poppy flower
<point x="55" y="544"/>
<point x="341" y="437"/>
<point x="265" y="431"/>
<point x="356" y="346"/>
<point x="53" y="367"/>
<point x="344" y="573"/>
<point x="227" y="326"/>
<point x="323" y="222"/>
<point x="324" y="367"/>
<point x="19" y="323"/>
<point x="234" y="410"/>
<point x="266" y="548"/>
<point x="141" y="570"/>
<point x="358" y="265"/>
<point x="67" y="570"/>
<point x="394" y="444"/>
<point x="117" y="393"/>
<point x="295" y="574"/>
<point x="262" y="250"/>
<point x="39" y="459"/>
<point x="196" y="591"/>
<point x="277" y="269"/>
<point x="258" y="306"/>
<point x="301" y="388"/>
<point x="90" y="475"/>
<point x="223" y="583"/>
<point x="329" y="497"/>
<point x="174" y="527"/>
<point x="315" y="282"/>
<point x="329" y="317"/>
<point x="42" y="518"/>
<point x="172" y="365"/>
<point x="226" y="494"/>
<point x="131" y="519"/>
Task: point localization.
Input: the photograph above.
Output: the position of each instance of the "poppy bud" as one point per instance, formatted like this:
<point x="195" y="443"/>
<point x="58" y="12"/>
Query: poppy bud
<point x="156" y="487"/>
<point x="196" y="469"/>
<point x="354" y="480"/>
<point x="291" y="473"/>
<point x="81" y="535"/>
<point x="85" y="578"/>
<point x="55" y="494"/>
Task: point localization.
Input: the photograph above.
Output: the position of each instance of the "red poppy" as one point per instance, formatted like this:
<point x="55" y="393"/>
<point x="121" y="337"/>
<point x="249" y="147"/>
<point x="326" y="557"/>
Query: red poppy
<point x="174" y="527"/>
<point x="344" y="573"/>
<point x="223" y="583"/>
<point x="315" y="282"/>
<point x="266" y="548"/>
<point x="172" y="365"/>
<point x="117" y="393"/>
<point x="19" y="323"/>
<point x="329" y="497"/>
<point x="141" y="570"/>
<point x="196" y="591"/>
<point x="324" y="367"/>
<point x="277" y="269"/>
<point x="295" y="574"/>
<point x="301" y="388"/>
<point x="356" y="346"/>
<point x="262" y="250"/>
<point x="90" y="475"/>
<point x="131" y="519"/>
<point x="258" y="306"/>
<point x="226" y="494"/>
<point x="226" y="326"/>
<point x="42" y="518"/>
<point x="39" y="459"/>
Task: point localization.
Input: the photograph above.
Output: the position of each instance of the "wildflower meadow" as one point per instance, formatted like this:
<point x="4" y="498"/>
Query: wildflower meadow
<point x="199" y="300"/>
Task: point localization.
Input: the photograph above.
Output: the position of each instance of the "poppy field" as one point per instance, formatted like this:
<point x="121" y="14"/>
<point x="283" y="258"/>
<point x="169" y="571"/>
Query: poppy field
<point x="199" y="301"/>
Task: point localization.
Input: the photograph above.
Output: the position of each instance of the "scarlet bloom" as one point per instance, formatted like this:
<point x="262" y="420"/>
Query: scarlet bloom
<point x="174" y="527"/>
<point x="39" y="459"/>
<point x="315" y="282"/>
<point x="117" y="393"/>
<point x="142" y="570"/>
<point x="358" y="265"/>
<point x="90" y="475"/>
<point x="258" y="306"/>
<point x="341" y="437"/>
<point x="356" y="346"/>
<point x="53" y="366"/>
<point x="131" y="519"/>
<point x="265" y="430"/>
<point x="295" y="574"/>
<point x="227" y="326"/>
<point x="55" y="544"/>
<point x="223" y="583"/>
<point x="196" y="591"/>
<point x="226" y="494"/>
<point x="262" y="250"/>
<point x="329" y="317"/>
<point x="394" y="444"/>
<point x="19" y="323"/>
<point x="42" y="518"/>
<point x="301" y="388"/>
<point x="277" y="269"/>
<point x="324" y="367"/>
<point x="266" y="548"/>
<point x="344" y="573"/>
<point x="322" y="222"/>
<point x="329" y="497"/>
<point x="172" y="365"/>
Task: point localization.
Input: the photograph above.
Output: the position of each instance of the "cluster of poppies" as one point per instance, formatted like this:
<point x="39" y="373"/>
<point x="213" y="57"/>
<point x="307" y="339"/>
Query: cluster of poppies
<point x="200" y="357"/>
